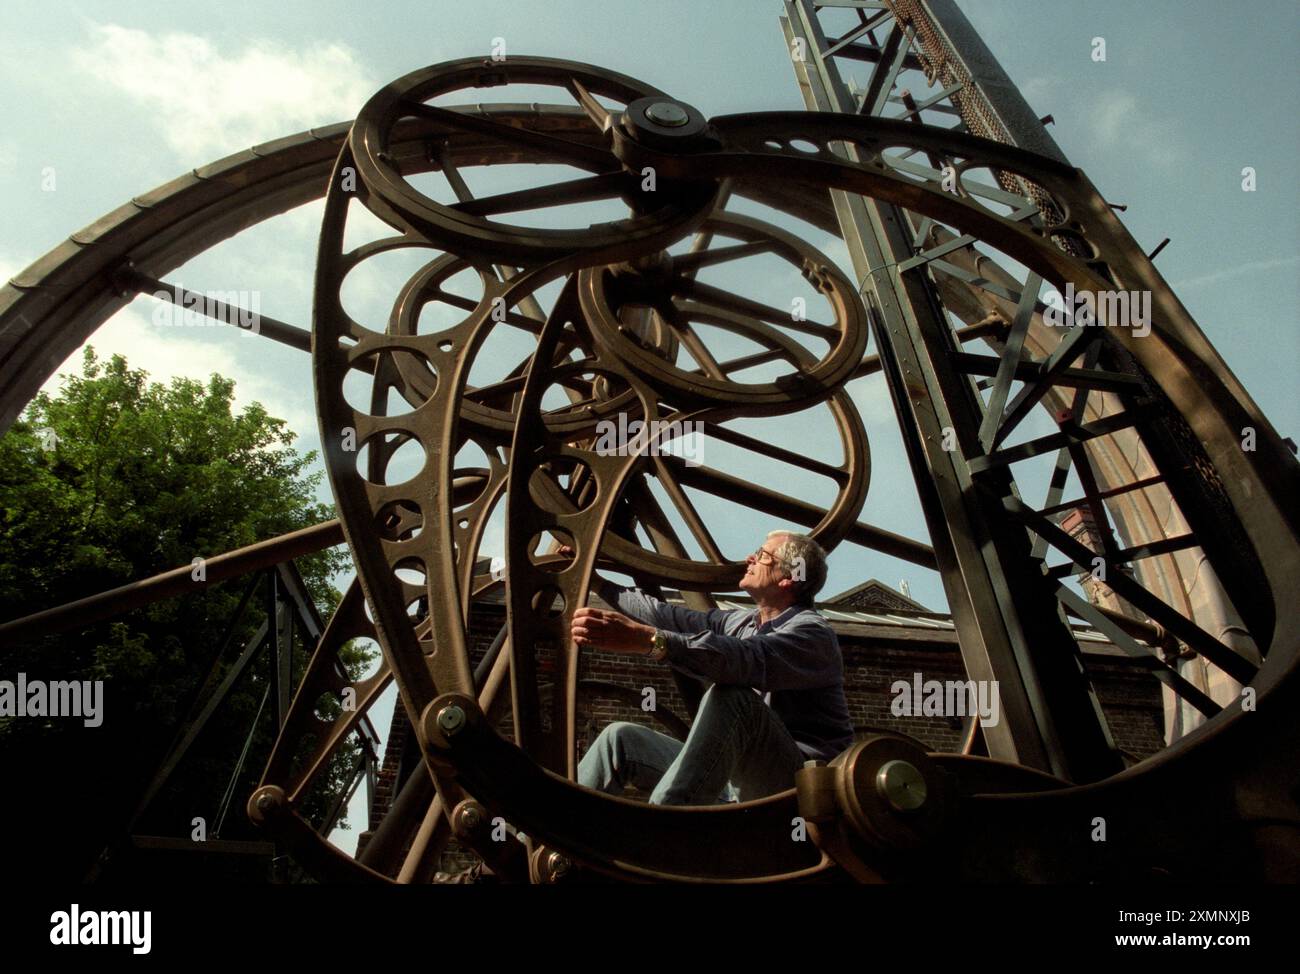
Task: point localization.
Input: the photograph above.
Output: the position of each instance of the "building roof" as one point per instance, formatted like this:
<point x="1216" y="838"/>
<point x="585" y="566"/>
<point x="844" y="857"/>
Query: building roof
<point x="874" y="593"/>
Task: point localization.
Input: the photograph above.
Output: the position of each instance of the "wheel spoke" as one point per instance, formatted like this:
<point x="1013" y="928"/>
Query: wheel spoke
<point x="573" y="153"/>
<point x="686" y="334"/>
<point x="708" y="296"/>
<point x="719" y="255"/>
<point x="597" y="112"/>
<point x="838" y="474"/>
<point x="688" y="512"/>
<point x="580" y="190"/>
<point x="218" y="310"/>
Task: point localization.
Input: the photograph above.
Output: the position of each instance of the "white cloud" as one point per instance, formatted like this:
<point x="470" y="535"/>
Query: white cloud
<point x="1113" y="115"/>
<point x="168" y="353"/>
<point x="1117" y="121"/>
<point x="1252" y="267"/>
<point x="209" y="103"/>
<point x="1039" y="87"/>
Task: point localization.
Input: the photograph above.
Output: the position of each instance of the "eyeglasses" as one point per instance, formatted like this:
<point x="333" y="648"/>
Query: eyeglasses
<point x="764" y="557"/>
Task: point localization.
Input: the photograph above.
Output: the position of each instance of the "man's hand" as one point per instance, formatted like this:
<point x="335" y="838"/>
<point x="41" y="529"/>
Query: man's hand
<point x="611" y="631"/>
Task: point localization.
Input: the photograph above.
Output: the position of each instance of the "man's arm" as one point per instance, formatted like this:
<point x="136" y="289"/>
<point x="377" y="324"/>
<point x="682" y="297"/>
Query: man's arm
<point x="804" y="656"/>
<point x="655" y="612"/>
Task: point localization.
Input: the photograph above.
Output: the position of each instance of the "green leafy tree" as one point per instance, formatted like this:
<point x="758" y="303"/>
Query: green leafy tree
<point x="113" y="480"/>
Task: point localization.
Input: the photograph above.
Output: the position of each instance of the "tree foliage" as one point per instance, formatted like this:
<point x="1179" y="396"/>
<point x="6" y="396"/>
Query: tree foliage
<point x="113" y="480"/>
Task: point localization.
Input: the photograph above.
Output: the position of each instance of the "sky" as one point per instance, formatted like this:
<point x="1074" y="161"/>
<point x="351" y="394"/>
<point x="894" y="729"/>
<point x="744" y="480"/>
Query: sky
<point x="106" y="101"/>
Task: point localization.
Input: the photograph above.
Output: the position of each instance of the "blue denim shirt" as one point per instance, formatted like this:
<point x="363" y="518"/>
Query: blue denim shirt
<point x="795" y="656"/>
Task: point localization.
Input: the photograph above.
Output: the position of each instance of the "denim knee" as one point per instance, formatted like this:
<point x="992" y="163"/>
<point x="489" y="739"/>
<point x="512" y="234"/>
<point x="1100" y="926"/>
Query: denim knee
<point x="618" y="729"/>
<point x="612" y="736"/>
<point x="731" y="696"/>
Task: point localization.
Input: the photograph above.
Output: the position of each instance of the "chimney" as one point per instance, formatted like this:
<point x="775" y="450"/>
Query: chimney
<point x="1080" y="525"/>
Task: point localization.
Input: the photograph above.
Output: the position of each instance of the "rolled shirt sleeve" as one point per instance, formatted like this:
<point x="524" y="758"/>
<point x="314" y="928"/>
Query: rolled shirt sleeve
<point x="673" y="618"/>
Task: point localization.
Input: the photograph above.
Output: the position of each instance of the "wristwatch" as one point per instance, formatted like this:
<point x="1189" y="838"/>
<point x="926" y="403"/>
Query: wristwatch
<point x="659" y="644"/>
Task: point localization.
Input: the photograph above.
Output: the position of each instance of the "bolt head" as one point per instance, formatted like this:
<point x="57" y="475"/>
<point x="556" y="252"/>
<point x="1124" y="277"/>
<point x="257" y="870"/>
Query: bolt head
<point x="557" y="865"/>
<point x="667" y="113"/>
<point x="902" y="785"/>
<point x="451" y="719"/>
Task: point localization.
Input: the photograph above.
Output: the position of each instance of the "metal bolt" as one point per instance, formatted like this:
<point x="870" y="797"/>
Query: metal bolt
<point x="451" y="719"/>
<point x="266" y="802"/>
<point x="472" y="816"/>
<point x="557" y="865"/>
<point x="900" y="784"/>
<point x="667" y="113"/>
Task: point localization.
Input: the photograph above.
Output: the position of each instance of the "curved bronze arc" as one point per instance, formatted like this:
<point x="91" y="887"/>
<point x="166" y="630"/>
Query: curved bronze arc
<point x="51" y="307"/>
<point x="669" y="212"/>
<point x="359" y="501"/>
<point x="424" y="667"/>
<point x="532" y="591"/>
<point x="753" y="842"/>
<point x="54" y="305"/>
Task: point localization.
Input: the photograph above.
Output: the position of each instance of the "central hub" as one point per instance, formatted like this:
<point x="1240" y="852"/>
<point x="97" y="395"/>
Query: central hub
<point x="661" y="123"/>
<point x="668" y="113"/>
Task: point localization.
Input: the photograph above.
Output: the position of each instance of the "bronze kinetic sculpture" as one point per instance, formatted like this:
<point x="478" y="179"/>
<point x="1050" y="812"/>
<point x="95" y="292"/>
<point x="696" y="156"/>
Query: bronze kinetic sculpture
<point x="613" y="319"/>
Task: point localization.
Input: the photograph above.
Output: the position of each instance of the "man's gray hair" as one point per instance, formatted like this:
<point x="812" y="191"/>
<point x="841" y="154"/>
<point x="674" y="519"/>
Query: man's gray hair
<point x="803" y="560"/>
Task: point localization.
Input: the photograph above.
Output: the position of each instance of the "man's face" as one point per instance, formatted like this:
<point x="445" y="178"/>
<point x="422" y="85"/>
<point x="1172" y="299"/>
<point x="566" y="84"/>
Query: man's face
<point x="763" y="572"/>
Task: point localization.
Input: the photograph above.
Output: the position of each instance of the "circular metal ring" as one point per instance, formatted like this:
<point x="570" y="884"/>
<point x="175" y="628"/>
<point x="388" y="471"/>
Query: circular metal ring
<point x="664" y="210"/>
<point x="671" y="290"/>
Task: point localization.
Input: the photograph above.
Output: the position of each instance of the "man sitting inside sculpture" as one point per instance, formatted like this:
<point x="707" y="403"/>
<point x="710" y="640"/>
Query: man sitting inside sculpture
<point x="741" y="744"/>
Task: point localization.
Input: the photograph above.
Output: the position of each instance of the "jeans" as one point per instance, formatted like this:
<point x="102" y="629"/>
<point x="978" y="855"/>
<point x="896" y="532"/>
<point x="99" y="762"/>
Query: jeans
<point x="737" y="749"/>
